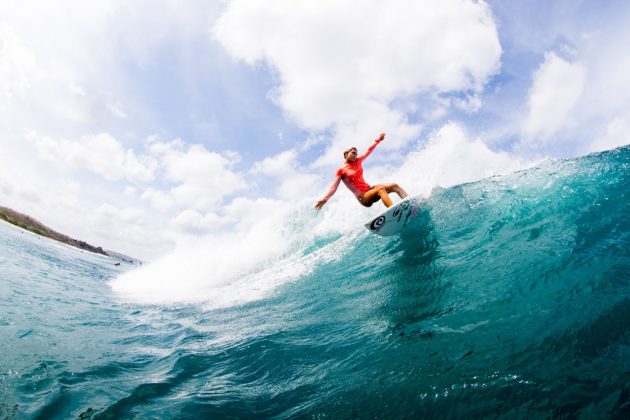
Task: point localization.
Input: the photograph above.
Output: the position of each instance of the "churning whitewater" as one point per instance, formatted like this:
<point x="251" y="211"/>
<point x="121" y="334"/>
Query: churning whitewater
<point x="508" y="296"/>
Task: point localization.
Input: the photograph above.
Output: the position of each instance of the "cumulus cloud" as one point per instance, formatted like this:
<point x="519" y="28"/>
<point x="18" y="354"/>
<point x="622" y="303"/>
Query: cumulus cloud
<point x="557" y="87"/>
<point x="126" y="229"/>
<point x="100" y="153"/>
<point x="48" y="59"/>
<point x="203" y="178"/>
<point x="293" y="182"/>
<point x="617" y="135"/>
<point x="605" y="104"/>
<point x="18" y="67"/>
<point x="53" y="83"/>
<point x="371" y="124"/>
<point x="469" y="104"/>
<point x="20" y="184"/>
<point x="185" y="183"/>
<point x="195" y="223"/>
<point x="117" y="110"/>
<point x="336" y="57"/>
<point x="278" y="165"/>
<point x="111" y="212"/>
<point x="40" y="77"/>
<point x="199" y="179"/>
<point x="340" y="64"/>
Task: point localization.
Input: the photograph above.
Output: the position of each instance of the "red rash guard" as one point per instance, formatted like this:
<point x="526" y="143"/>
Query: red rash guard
<point x="352" y="175"/>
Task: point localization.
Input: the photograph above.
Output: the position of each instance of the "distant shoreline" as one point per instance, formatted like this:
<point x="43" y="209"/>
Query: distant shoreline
<point x="32" y="225"/>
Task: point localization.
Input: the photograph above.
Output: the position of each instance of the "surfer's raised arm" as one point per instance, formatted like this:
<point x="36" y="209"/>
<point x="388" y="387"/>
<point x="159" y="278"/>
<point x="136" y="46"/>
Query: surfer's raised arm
<point x="372" y="147"/>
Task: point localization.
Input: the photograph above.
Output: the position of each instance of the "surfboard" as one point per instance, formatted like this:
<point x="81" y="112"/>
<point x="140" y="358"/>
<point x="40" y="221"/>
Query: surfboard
<point x="395" y="218"/>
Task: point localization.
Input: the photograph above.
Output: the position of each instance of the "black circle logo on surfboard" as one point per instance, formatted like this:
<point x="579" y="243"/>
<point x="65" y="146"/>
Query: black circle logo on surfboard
<point x="377" y="223"/>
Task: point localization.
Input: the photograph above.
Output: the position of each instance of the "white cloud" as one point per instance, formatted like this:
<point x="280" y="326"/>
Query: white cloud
<point x="558" y="85"/>
<point x="19" y="186"/>
<point x="18" y="67"/>
<point x="100" y="153"/>
<point x="336" y="56"/>
<point x="107" y="212"/>
<point x="117" y="110"/>
<point x="38" y="75"/>
<point x="185" y="183"/>
<point x="293" y="182"/>
<point x="605" y="104"/>
<point x="278" y="165"/>
<point x="617" y="135"/>
<point x="76" y="208"/>
<point x="194" y="223"/>
<point x="203" y="178"/>
<point x="196" y="164"/>
<point x="579" y="88"/>
<point x="126" y="229"/>
<point x="361" y="134"/>
<point x="342" y="64"/>
<point x="160" y="200"/>
<point x="470" y="104"/>
<point x="65" y="74"/>
<point x="68" y="61"/>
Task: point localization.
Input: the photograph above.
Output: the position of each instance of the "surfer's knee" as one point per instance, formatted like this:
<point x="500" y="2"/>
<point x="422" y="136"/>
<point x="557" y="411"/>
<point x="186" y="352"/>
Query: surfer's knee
<point x="398" y="190"/>
<point x="378" y="188"/>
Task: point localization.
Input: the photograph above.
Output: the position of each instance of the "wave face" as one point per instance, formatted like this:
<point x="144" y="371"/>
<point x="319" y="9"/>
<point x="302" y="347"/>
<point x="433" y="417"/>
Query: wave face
<point x="505" y="297"/>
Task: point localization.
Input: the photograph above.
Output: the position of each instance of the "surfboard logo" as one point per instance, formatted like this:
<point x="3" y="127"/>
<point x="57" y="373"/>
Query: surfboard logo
<point x="377" y="223"/>
<point x="394" y="219"/>
<point x="400" y="209"/>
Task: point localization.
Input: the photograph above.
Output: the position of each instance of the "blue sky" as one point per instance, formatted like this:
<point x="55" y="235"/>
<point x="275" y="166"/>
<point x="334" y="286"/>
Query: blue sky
<point x="141" y="126"/>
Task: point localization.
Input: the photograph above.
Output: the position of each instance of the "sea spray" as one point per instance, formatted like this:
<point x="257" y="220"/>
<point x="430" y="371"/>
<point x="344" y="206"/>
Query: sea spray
<point x="232" y="269"/>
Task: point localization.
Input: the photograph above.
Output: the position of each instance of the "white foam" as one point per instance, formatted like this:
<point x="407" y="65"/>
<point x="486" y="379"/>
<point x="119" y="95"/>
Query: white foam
<point x="232" y="269"/>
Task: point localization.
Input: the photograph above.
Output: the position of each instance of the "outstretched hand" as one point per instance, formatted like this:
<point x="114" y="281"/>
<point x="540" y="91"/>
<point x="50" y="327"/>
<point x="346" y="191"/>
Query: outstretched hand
<point x="319" y="204"/>
<point x="381" y="137"/>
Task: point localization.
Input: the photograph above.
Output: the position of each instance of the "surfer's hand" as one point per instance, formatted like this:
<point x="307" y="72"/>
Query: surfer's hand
<point x="318" y="205"/>
<point x="381" y="137"/>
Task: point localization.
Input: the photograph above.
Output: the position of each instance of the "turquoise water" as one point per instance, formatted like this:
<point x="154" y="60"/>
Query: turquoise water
<point x="506" y="297"/>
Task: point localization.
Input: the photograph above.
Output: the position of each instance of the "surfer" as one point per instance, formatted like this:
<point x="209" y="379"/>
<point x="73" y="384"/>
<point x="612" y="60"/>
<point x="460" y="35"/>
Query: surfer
<point x="351" y="173"/>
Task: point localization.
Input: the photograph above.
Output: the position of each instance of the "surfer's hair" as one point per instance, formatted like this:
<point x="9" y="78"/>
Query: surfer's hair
<point x="345" y="152"/>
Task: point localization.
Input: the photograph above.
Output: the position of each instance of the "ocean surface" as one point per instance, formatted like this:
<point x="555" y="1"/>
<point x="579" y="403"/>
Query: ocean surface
<point x="508" y="297"/>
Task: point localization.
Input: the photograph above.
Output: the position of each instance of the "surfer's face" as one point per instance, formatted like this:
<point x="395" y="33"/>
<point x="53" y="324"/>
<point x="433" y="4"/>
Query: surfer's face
<point x="351" y="155"/>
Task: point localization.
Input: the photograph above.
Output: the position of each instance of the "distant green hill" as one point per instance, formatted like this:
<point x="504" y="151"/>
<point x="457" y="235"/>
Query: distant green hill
<point x="30" y="224"/>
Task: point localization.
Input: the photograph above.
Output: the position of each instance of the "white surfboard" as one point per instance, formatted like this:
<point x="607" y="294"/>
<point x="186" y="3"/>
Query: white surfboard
<point x="395" y="218"/>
